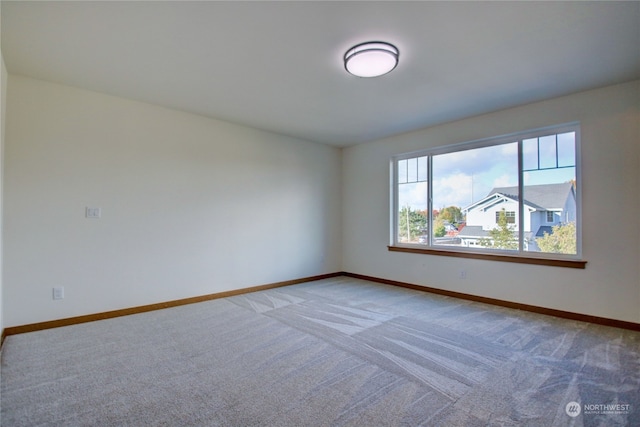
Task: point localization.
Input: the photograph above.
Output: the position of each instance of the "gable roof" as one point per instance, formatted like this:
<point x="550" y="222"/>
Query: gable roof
<point x="540" y="197"/>
<point x="476" y="231"/>
<point x="490" y="200"/>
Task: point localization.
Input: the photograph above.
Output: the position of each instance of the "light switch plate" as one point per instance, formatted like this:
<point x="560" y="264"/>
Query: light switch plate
<point x="93" y="212"/>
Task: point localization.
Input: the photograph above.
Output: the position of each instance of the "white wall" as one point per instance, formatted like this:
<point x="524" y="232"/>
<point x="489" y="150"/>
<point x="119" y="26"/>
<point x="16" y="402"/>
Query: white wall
<point x="190" y="205"/>
<point x="193" y="206"/>
<point x="610" y="284"/>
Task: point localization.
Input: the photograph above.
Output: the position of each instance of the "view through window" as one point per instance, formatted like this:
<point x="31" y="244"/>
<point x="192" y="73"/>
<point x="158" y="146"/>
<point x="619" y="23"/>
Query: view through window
<point x="469" y="197"/>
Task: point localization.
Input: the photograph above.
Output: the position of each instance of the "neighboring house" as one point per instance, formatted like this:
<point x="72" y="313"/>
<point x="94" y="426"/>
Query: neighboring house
<point x="544" y="206"/>
<point x="449" y="227"/>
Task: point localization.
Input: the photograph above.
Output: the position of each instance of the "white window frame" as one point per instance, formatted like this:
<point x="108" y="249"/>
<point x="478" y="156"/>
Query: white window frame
<point x="486" y="253"/>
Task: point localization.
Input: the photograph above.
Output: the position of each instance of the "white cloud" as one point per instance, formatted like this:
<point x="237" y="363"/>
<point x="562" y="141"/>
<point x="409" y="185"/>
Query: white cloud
<point x="505" y="180"/>
<point x="452" y="190"/>
<point x="509" y="149"/>
<point x="414" y="195"/>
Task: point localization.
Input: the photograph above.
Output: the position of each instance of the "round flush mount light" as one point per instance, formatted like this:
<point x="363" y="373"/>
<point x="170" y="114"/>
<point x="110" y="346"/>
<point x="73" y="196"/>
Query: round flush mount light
<point x="371" y="59"/>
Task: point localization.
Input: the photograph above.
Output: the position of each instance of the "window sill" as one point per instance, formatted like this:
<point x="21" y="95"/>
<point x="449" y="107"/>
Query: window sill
<point x="569" y="263"/>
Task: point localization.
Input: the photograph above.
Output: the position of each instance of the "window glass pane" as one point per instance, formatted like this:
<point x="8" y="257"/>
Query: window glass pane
<point x="412" y="212"/>
<point x="530" y="154"/>
<point x="402" y="171"/>
<point x="422" y="168"/>
<point x="567" y="149"/>
<point x="412" y="170"/>
<point x="469" y="188"/>
<point x="550" y="210"/>
<point x="547" y="151"/>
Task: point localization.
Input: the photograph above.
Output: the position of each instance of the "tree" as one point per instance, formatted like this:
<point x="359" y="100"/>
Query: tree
<point x="562" y="239"/>
<point x="439" y="229"/>
<point x="411" y="223"/>
<point x="501" y="236"/>
<point x="451" y="214"/>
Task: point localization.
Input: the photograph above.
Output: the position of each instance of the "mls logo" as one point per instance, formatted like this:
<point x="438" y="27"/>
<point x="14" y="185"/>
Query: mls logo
<point x="573" y="409"/>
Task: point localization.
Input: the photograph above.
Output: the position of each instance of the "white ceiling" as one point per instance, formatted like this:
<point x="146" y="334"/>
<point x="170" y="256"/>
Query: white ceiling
<point x="278" y="65"/>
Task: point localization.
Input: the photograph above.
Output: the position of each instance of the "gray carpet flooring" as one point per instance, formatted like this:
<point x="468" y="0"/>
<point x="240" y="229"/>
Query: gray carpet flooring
<point x="336" y="352"/>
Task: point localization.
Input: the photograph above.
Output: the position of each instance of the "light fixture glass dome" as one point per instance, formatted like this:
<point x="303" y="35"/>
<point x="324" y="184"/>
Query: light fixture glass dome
<point x="371" y="59"/>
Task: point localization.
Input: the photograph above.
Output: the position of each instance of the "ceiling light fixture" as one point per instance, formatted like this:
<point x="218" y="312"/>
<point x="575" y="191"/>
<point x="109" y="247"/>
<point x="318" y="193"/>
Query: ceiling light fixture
<point x="371" y="59"/>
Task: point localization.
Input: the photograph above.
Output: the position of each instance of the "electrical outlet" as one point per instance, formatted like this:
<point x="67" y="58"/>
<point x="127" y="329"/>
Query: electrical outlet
<point x="58" y="292"/>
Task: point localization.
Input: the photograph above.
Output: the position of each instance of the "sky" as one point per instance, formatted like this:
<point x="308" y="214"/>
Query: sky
<point x="463" y="177"/>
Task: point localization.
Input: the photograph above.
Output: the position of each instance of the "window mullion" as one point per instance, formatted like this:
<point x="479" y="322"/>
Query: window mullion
<point x="394" y="213"/>
<point x="430" y="200"/>
<point x="521" y="196"/>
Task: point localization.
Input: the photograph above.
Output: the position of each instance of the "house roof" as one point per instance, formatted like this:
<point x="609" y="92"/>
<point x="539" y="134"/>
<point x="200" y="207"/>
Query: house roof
<point x="473" y="231"/>
<point x="476" y="231"/>
<point x="544" y="229"/>
<point x="541" y="197"/>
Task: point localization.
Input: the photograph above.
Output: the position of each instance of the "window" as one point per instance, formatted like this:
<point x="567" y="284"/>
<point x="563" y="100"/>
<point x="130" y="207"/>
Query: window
<point x="510" y="216"/>
<point x="550" y="216"/>
<point x="515" y="195"/>
<point x="412" y="184"/>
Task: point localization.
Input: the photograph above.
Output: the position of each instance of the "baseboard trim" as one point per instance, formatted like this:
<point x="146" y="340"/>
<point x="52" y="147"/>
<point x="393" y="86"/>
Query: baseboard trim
<point x="175" y="303"/>
<point x="503" y="303"/>
<point x="152" y="307"/>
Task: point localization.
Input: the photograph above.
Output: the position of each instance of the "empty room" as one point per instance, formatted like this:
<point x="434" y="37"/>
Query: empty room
<point x="320" y="213"/>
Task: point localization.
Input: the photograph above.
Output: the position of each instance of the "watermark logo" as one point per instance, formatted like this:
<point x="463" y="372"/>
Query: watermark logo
<point x="573" y="409"/>
<point x="606" y="409"/>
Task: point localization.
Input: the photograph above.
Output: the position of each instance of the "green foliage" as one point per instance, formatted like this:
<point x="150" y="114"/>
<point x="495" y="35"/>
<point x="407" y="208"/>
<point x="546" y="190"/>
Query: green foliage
<point x="502" y="236"/>
<point x="413" y="222"/>
<point x="451" y="214"/>
<point x="562" y="239"/>
<point x="439" y="229"/>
